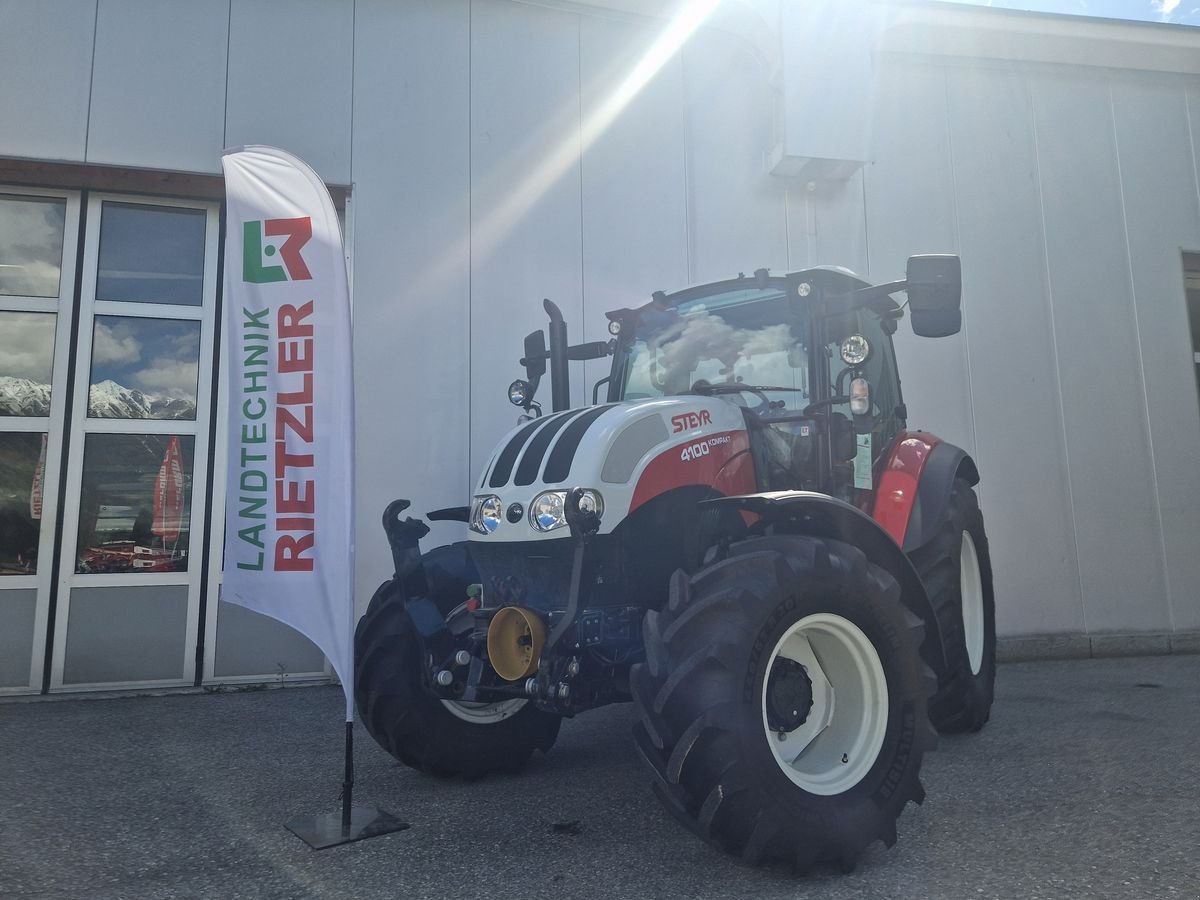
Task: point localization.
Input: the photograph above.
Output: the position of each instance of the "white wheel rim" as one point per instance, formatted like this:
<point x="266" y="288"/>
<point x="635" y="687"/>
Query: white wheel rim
<point x="484" y="713"/>
<point x="970" y="585"/>
<point x="838" y="743"/>
<point x="479" y="713"/>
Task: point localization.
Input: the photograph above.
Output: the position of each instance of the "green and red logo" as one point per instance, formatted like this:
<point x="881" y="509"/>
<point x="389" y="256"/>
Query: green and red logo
<point x="257" y="246"/>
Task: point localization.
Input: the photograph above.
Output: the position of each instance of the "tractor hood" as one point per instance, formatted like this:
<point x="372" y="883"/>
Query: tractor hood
<point x="629" y="453"/>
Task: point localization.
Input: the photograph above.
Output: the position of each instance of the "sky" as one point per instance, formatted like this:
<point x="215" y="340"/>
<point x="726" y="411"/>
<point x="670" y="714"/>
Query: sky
<point x="1178" y="12"/>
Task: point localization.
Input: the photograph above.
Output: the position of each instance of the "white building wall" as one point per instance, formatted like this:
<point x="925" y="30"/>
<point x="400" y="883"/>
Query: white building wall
<point x="1071" y="237"/>
<point x="1069" y="191"/>
<point x="46" y="54"/>
<point x="412" y="265"/>
<point x="158" y="84"/>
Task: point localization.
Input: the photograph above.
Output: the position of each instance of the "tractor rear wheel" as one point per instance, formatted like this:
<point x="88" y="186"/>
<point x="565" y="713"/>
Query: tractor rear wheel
<point x="783" y="702"/>
<point x="436" y="736"/>
<point x="956" y="568"/>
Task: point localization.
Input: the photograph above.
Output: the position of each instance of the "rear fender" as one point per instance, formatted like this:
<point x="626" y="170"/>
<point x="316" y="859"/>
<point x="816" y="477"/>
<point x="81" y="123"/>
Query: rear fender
<point x="805" y="512"/>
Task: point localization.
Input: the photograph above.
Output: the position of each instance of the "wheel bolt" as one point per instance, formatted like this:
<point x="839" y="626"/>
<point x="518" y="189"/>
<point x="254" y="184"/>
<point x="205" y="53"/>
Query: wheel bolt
<point x="462" y="657"/>
<point x="445" y="678"/>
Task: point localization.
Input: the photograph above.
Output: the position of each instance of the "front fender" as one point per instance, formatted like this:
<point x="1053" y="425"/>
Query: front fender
<point x="915" y="486"/>
<point x="806" y="512"/>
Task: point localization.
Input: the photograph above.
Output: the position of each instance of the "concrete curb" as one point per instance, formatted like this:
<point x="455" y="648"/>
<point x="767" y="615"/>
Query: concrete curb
<point x="1025" y="647"/>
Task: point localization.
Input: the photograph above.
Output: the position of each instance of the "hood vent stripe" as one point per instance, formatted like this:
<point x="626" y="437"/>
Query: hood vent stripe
<point x="531" y="460"/>
<point x="508" y="456"/>
<point x="563" y="455"/>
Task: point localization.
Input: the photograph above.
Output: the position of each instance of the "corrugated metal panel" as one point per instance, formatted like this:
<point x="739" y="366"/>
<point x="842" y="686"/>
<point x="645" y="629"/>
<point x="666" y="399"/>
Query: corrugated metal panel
<point x="46" y="55"/>
<point x="736" y="208"/>
<point x="525" y="197"/>
<point x="1116" y="516"/>
<point x="1162" y="216"/>
<point x="910" y="209"/>
<point x="158" y="91"/>
<point x="290" y="79"/>
<point x="840" y="220"/>
<point x="634" y="202"/>
<point x="1014" y="380"/>
<point x="411" y="267"/>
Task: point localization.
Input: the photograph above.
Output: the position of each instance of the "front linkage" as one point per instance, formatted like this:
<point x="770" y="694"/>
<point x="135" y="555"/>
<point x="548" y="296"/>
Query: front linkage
<point x="464" y="655"/>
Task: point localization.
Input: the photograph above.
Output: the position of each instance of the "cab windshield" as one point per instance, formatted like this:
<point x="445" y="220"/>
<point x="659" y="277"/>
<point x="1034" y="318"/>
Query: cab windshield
<point x="747" y="335"/>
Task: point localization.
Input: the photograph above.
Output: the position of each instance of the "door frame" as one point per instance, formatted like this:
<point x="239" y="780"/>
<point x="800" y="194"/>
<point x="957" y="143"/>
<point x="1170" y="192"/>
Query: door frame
<point x="81" y="425"/>
<point x="64" y="308"/>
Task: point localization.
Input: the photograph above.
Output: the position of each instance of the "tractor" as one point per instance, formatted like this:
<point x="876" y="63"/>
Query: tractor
<point x="744" y="539"/>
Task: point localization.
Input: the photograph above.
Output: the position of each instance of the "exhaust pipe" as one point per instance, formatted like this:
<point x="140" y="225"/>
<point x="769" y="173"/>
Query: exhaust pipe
<point x="560" y="376"/>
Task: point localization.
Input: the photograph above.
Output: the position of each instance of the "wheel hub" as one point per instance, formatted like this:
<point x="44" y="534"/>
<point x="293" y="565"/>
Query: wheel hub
<point x="789" y="696"/>
<point x="827" y="745"/>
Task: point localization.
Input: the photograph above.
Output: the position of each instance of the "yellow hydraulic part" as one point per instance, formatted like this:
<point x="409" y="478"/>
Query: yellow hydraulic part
<point x="514" y="642"/>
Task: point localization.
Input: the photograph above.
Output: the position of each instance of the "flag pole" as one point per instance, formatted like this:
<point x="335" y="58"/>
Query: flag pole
<point x="348" y="779"/>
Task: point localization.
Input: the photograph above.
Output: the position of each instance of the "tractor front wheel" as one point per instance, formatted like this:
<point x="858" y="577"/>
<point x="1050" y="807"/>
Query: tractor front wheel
<point x="436" y="736"/>
<point x="783" y="702"/>
<point x="956" y="568"/>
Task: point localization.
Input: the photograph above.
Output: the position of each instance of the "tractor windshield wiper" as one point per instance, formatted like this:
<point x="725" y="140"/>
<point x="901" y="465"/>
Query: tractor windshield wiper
<point x="733" y="387"/>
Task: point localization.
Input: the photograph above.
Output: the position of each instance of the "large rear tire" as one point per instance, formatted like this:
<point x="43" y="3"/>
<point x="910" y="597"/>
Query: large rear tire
<point x="783" y="702"/>
<point x="421" y="730"/>
<point x="956" y="567"/>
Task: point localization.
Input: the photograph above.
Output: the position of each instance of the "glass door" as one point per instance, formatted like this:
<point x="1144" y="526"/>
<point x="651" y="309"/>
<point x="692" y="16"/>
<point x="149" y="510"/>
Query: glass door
<point x="37" y="273"/>
<point x="137" y="462"/>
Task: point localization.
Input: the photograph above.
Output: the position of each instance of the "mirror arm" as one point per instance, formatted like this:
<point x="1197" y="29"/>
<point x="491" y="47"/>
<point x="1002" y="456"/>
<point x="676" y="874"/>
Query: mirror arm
<point x="868" y="295"/>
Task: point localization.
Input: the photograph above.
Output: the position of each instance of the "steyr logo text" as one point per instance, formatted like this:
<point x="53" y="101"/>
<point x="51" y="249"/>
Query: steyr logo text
<point x="296" y="233"/>
<point x="691" y="420"/>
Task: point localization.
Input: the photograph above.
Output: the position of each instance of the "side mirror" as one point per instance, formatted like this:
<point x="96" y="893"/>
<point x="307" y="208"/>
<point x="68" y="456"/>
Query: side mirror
<point x="842" y="440"/>
<point x="934" y="287"/>
<point x="535" y="356"/>
<point x="521" y="392"/>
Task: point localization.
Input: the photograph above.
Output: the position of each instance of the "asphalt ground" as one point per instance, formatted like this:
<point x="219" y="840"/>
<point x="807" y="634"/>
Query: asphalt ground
<point x="1086" y="783"/>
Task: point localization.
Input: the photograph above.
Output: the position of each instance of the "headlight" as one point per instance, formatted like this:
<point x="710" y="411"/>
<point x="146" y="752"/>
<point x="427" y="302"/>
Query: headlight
<point x="590" y="501"/>
<point x="547" y="511"/>
<point x="486" y="513"/>
<point x="855" y="350"/>
<point x="518" y="392"/>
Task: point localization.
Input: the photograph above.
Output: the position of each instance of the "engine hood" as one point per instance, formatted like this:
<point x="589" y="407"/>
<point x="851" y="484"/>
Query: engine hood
<point x="629" y="452"/>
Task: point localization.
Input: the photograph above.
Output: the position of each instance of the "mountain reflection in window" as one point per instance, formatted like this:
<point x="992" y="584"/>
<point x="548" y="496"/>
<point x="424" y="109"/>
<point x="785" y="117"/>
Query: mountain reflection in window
<point x="144" y="368"/>
<point x="26" y="361"/>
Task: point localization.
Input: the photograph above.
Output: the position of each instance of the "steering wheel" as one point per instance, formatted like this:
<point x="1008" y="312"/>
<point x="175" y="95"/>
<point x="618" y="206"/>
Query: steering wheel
<point x="707" y="389"/>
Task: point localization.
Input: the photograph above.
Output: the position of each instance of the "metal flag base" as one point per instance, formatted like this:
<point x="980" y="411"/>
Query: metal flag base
<point x="349" y="824"/>
<point x="329" y="830"/>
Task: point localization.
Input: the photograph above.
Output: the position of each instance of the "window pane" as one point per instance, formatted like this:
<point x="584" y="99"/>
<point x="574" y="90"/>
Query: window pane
<point x="26" y="363"/>
<point x="151" y="254"/>
<point x="31" y="243"/>
<point x="135" y="503"/>
<point x="22" y="468"/>
<point x="144" y="368"/>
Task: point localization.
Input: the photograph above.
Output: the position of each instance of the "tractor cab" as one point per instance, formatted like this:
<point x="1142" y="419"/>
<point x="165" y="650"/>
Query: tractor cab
<point x="807" y="357"/>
